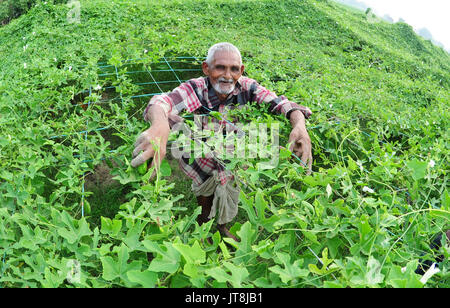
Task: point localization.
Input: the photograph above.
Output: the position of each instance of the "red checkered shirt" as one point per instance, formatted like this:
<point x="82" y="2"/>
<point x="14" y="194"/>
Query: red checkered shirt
<point x="199" y="97"/>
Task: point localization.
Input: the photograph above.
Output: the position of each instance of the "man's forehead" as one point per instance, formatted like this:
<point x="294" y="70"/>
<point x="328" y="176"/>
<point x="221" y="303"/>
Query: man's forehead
<point x="226" y="57"/>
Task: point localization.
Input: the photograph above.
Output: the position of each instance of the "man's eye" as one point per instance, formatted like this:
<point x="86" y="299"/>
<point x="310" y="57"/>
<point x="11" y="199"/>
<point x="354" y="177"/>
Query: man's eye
<point x="235" y="69"/>
<point x="220" y="67"/>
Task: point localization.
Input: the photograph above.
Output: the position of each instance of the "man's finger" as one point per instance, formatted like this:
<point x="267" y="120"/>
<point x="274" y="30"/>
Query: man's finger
<point x="310" y="161"/>
<point x="141" y="139"/>
<point x="141" y="158"/>
<point x="138" y="149"/>
<point x="291" y="145"/>
<point x="305" y="159"/>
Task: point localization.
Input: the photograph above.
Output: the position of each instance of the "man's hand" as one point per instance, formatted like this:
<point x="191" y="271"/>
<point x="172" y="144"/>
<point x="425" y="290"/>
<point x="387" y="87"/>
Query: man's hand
<point x="152" y="142"/>
<point x="300" y="140"/>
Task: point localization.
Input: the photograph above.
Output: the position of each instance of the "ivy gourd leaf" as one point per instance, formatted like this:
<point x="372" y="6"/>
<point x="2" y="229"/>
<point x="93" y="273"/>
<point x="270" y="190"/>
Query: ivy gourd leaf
<point x="194" y="254"/>
<point x="419" y="168"/>
<point x="73" y="234"/>
<point x="244" y="250"/>
<point x="167" y="258"/>
<point x="404" y="278"/>
<point x="290" y="270"/>
<point x="237" y="277"/>
<point x="147" y="279"/>
<point x="118" y="268"/>
<point x="110" y="227"/>
<point x="165" y="168"/>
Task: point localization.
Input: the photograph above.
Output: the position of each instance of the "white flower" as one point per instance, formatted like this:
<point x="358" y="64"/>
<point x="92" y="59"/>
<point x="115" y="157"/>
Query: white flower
<point x="359" y="163"/>
<point x="431" y="163"/>
<point x="429" y="273"/>
<point x="145" y="50"/>
<point x="367" y="189"/>
<point x="24" y="65"/>
<point x="98" y="87"/>
<point x="25" y="47"/>
<point x="56" y="60"/>
<point x="70" y="68"/>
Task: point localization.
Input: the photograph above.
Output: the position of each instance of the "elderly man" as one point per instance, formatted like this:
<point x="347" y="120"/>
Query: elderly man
<point x="223" y="86"/>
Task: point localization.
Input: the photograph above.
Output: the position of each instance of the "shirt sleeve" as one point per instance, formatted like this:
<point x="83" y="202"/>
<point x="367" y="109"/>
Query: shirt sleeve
<point x="279" y="104"/>
<point x="183" y="97"/>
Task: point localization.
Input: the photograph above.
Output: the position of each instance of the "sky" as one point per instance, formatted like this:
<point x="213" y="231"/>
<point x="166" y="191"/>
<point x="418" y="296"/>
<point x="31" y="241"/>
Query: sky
<point x="431" y="14"/>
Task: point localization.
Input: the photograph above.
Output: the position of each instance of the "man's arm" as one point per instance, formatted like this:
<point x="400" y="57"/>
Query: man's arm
<point x="301" y="142"/>
<point x="278" y="104"/>
<point x="153" y="141"/>
<point x="183" y="97"/>
<point x="299" y="137"/>
<point x="162" y="112"/>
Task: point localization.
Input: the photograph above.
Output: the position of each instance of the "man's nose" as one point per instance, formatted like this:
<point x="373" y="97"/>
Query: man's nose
<point x="227" y="73"/>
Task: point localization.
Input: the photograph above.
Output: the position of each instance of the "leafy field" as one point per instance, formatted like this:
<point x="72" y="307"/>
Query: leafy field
<point x="71" y="107"/>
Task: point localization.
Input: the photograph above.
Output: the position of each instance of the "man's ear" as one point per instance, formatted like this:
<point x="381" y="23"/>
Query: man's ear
<point x="205" y="68"/>
<point x="242" y="69"/>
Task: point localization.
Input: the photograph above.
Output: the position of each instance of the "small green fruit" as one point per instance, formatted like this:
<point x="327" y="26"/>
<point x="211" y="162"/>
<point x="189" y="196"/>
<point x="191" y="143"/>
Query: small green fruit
<point x="142" y="169"/>
<point x="87" y="207"/>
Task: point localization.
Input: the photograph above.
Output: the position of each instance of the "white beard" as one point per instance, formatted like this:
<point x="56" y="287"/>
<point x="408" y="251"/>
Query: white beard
<point x="220" y="90"/>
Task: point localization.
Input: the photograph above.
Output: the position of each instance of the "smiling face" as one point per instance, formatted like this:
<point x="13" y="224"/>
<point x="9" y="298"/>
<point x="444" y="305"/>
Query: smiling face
<point x="224" y="71"/>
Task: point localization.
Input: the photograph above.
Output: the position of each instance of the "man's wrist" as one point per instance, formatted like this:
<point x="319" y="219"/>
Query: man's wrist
<point x="296" y="117"/>
<point x="157" y="116"/>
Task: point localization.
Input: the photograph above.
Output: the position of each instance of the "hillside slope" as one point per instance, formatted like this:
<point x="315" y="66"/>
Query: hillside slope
<point x="69" y="104"/>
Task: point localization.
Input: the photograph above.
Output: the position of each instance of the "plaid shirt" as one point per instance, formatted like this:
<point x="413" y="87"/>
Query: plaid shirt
<point x="199" y="97"/>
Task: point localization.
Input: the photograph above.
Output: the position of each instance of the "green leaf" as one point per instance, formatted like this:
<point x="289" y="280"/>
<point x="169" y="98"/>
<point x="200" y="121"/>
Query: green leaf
<point x="261" y="206"/>
<point x="237" y="278"/>
<point x="165" y="168"/>
<point x="218" y="274"/>
<point x="147" y="279"/>
<point x="332" y="284"/>
<point x="244" y="250"/>
<point x="224" y="249"/>
<point x="290" y="270"/>
<point x="194" y="254"/>
<point x="419" y="169"/>
<point x="238" y="274"/>
<point x="110" y="227"/>
<point x="404" y="278"/>
<point x="134" y="234"/>
<point x="364" y="274"/>
<point x="247" y="205"/>
<point x="73" y="234"/>
<point x="117" y="268"/>
<point x="70" y="235"/>
<point x="167" y="258"/>
<point x="216" y="115"/>
<point x="325" y="262"/>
